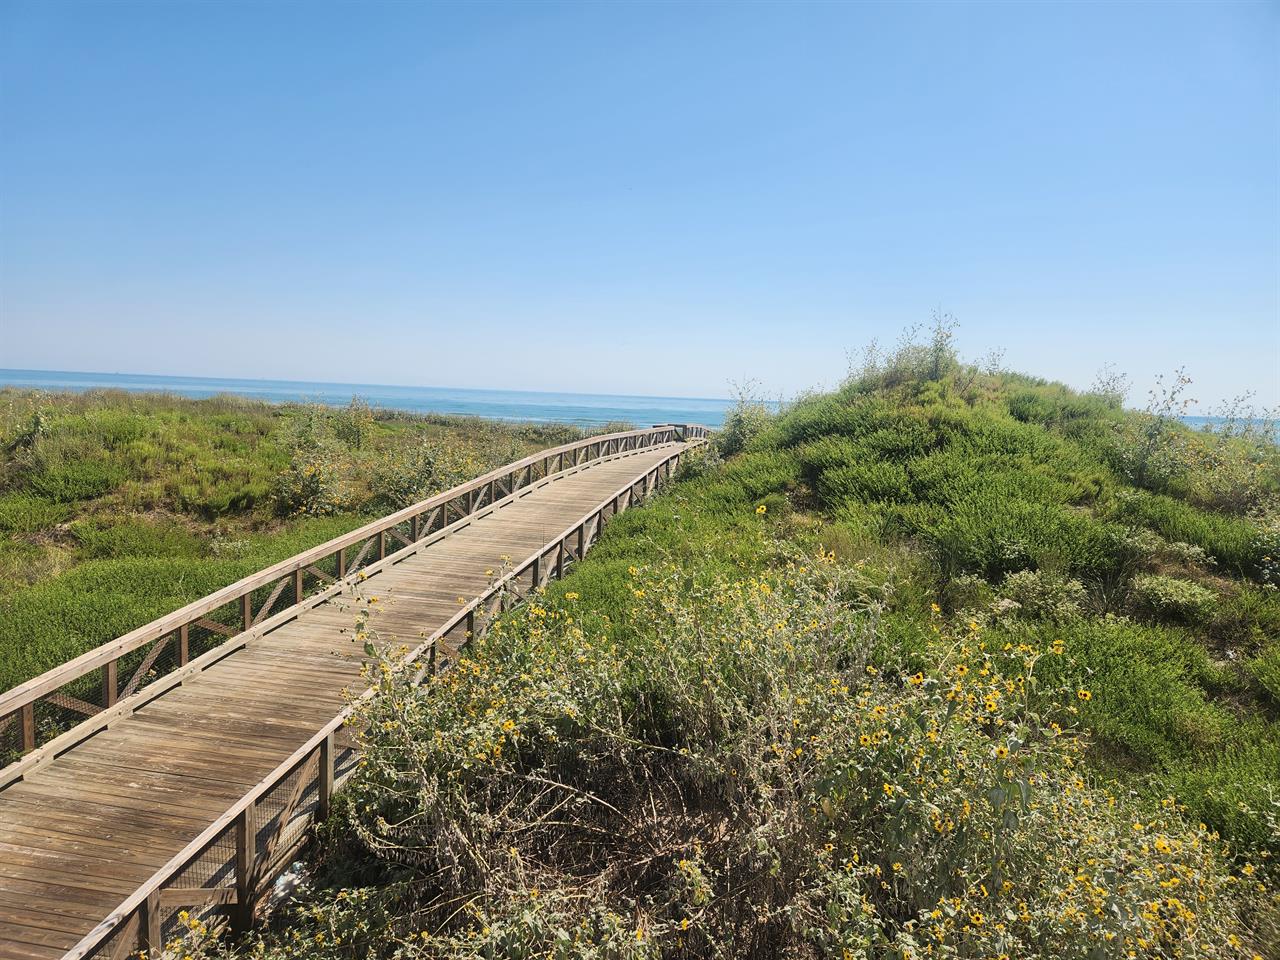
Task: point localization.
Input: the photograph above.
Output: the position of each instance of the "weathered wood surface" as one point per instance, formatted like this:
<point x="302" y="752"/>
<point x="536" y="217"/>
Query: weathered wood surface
<point x="86" y="829"/>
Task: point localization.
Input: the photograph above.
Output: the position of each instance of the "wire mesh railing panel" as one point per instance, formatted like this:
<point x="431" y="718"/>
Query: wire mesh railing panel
<point x="139" y="668"/>
<point x="345" y="761"/>
<point x="284" y="801"/>
<point x="271" y="599"/>
<point x="11" y="739"/>
<point x="214" y="866"/>
<point x="202" y="638"/>
<point x="327" y="567"/>
<point x="53" y="718"/>
<point x="404" y="529"/>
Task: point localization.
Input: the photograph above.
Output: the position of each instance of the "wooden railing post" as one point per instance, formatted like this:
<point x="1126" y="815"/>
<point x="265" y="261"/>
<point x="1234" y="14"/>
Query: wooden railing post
<point x="111" y="682"/>
<point x="536" y="578"/>
<point x="560" y="559"/>
<point x="246" y="859"/>
<point x="299" y="590"/>
<point x="246" y="610"/>
<point x="184" y="644"/>
<point x="149" y="935"/>
<point x="28" y="726"/>
<point x="324" y="790"/>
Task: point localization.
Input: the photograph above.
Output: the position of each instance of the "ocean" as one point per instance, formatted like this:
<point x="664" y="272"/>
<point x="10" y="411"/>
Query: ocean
<point x="582" y="409"/>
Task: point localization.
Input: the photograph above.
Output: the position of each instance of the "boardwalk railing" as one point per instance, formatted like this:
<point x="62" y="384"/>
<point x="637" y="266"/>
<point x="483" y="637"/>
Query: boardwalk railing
<point x="230" y="869"/>
<point x="58" y="709"/>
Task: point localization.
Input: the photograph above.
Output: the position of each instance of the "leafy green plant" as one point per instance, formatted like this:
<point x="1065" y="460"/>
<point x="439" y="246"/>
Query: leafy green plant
<point x="24" y="513"/>
<point x="406" y="476"/>
<point x="1265" y="668"/>
<point x="1044" y="596"/>
<point x="744" y="421"/>
<point x="310" y="486"/>
<point x="70" y="481"/>
<point x="1173" y="600"/>
<point x="1152" y="448"/>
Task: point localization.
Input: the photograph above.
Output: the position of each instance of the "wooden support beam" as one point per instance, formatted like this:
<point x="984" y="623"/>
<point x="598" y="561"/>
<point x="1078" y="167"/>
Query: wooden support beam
<point x="195" y="896"/>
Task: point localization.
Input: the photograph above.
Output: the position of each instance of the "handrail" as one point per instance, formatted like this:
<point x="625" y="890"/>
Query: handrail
<point x="146" y="905"/>
<point x="408" y="525"/>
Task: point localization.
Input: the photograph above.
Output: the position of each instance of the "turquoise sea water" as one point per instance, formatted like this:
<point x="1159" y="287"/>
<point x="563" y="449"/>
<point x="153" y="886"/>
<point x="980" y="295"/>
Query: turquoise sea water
<point x="583" y="409"/>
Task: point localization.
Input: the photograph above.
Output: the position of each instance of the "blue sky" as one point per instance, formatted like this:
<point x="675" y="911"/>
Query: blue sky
<point x="638" y="198"/>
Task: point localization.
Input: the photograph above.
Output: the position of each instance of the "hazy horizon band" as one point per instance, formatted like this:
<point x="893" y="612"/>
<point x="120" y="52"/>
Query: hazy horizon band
<point x="585" y="409"/>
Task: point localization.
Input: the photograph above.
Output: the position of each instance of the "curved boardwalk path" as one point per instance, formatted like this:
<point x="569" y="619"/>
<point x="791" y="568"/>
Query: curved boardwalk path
<point x="84" y="830"/>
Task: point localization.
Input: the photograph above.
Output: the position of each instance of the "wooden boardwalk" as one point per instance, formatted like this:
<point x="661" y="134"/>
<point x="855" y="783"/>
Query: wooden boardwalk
<point x="83" y="830"/>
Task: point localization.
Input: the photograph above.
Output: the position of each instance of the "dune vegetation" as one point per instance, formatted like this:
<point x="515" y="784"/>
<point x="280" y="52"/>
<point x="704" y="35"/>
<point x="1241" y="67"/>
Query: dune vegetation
<point x="949" y="662"/>
<point x="116" y="508"/>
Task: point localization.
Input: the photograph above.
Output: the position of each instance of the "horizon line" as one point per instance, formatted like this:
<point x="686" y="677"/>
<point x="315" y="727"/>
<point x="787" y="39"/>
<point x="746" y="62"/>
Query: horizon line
<point x="343" y="383"/>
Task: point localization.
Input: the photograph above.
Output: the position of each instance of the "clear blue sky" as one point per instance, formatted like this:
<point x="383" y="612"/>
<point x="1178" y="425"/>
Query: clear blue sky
<point x="638" y="198"/>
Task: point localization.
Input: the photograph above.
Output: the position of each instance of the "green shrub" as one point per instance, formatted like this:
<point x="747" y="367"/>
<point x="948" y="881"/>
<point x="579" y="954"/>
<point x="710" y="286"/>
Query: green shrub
<point x="819" y="418"/>
<point x="1148" y="707"/>
<point x="968" y="592"/>
<point x="745" y="420"/>
<point x="1235" y="543"/>
<point x="24" y="513"/>
<point x="1247" y="616"/>
<point x="1173" y="600"/>
<point x="1043" y="596"/>
<point x="1265" y="668"/>
<point x="754" y="475"/>
<point x="310" y="486"/>
<point x="406" y="475"/>
<point x="76" y="480"/>
<point x="869" y="481"/>
<point x="994" y="535"/>
<point x="138" y="538"/>
<point x="828" y="453"/>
